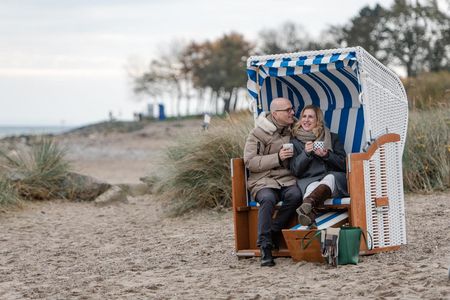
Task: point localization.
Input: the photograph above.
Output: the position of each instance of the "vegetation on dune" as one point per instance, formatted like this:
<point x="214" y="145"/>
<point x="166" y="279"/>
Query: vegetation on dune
<point x="198" y="165"/>
<point x="8" y="194"/>
<point x="109" y="127"/>
<point x="426" y="159"/>
<point x="427" y="153"/>
<point x="38" y="173"/>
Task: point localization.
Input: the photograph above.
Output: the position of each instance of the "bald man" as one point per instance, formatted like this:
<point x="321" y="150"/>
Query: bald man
<point x="270" y="180"/>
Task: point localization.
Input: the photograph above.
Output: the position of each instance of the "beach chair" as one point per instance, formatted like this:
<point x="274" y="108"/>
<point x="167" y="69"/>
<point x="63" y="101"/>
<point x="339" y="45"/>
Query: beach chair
<point x="365" y="104"/>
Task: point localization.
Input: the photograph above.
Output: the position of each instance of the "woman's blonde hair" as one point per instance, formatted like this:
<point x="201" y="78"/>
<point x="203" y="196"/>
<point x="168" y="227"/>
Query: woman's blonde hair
<point x="319" y="116"/>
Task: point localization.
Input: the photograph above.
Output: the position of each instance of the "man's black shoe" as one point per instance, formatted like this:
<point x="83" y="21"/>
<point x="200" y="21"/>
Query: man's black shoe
<point x="276" y="240"/>
<point x="266" y="257"/>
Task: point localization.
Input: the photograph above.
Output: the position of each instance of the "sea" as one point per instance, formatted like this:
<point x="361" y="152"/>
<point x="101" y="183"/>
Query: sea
<point x="6" y="131"/>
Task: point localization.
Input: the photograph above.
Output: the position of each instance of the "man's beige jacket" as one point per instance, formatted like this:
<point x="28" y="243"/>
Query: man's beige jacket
<point x="261" y="155"/>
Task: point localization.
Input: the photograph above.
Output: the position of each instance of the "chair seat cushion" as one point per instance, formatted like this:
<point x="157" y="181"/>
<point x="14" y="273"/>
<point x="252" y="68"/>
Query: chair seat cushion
<point x="337" y="201"/>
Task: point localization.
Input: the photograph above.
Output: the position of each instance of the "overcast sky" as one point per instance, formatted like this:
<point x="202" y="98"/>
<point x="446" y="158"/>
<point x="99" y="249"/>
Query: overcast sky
<point x="63" y="61"/>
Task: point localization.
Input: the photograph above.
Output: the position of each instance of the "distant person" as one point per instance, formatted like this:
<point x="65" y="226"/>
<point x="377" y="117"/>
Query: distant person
<point x="318" y="163"/>
<point x="270" y="180"/>
<point x="206" y="121"/>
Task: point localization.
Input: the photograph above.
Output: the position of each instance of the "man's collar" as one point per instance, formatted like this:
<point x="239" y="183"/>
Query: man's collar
<point x="280" y="128"/>
<point x="266" y="122"/>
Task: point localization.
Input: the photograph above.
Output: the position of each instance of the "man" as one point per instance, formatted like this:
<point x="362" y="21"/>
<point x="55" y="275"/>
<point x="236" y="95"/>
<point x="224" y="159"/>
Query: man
<point x="270" y="180"/>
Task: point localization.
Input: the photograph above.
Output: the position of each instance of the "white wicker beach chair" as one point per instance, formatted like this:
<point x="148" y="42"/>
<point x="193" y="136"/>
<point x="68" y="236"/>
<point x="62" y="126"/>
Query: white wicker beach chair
<point x="365" y="104"/>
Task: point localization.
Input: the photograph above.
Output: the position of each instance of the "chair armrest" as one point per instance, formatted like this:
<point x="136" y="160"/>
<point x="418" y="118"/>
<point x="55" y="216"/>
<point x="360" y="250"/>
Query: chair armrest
<point x="238" y="184"/>
<point x="386" y="138"/>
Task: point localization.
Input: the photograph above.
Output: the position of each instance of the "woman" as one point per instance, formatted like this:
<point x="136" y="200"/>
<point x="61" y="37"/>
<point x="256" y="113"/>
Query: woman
<point x="320" y="171"/>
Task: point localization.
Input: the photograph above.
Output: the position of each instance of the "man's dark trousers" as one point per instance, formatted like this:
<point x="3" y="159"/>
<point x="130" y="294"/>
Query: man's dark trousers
<point x="267" y="199"/>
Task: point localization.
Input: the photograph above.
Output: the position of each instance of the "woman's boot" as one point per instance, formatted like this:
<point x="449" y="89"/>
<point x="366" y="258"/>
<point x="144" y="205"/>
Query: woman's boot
<point x="306" y="212"/>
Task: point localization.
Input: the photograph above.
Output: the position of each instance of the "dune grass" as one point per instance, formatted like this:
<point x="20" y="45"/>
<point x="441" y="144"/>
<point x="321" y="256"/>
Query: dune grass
<point x="36" y="174"/>
<point x="198" y="165"/>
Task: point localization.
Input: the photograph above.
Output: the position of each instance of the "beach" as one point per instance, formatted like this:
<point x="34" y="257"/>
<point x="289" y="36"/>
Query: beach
<point x="79" y="250"/>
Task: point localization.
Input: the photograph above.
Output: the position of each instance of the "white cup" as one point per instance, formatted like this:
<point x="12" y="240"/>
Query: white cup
<point x="289" y="146"/>
<point x="318" y="145"/>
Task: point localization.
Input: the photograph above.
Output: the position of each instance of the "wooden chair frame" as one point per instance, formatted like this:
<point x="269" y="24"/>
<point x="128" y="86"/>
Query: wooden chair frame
<point x="246" y="218"/>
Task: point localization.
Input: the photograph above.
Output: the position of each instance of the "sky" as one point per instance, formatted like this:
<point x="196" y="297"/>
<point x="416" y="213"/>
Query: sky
<point x="63" y="62"/>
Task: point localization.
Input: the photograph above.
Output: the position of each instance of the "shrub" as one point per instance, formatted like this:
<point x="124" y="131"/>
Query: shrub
<point x="198" y="165"/>
<point x="36" y="174"/>
<point x="428" y="90"/>
<point x="426" y="160"/>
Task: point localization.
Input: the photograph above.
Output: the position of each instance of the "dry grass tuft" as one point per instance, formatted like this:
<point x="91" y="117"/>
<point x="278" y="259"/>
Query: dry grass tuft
<point x="36" y="174"/>
<point x="198" y="165"/>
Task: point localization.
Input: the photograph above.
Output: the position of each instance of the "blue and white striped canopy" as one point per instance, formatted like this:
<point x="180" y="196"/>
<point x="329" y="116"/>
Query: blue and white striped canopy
<point x="329" y="80"/>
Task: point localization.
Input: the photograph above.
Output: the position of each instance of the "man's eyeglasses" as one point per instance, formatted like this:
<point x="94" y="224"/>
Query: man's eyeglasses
<point x="288" y="110"/>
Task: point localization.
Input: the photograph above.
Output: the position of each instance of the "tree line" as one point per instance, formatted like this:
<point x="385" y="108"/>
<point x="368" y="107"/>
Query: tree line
<point x="409" y="34"/>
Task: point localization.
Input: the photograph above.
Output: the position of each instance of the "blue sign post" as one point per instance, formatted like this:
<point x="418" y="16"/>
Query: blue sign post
<point x="162" y="114"/>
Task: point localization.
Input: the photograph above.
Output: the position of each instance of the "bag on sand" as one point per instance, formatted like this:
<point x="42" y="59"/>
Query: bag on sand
<point x="339" y="246"/>
<point x="349" y="242"/>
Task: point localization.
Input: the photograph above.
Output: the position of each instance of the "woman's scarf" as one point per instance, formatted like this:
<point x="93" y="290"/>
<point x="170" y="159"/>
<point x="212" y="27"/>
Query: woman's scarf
<point x="312" y="136"/>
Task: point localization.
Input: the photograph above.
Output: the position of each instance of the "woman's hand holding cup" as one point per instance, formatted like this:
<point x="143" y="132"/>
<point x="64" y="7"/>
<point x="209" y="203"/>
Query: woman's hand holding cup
<point x="319" y="150"/>
<point x="309" y="147"/>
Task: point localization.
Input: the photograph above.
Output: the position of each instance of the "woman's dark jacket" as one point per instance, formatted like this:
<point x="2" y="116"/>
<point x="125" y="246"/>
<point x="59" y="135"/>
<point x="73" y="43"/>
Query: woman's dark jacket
<point x="310" y="168"/>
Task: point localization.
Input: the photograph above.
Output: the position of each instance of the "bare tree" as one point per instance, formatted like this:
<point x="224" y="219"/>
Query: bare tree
<point x="166" y="78"/>
<point x="289" y="37"/>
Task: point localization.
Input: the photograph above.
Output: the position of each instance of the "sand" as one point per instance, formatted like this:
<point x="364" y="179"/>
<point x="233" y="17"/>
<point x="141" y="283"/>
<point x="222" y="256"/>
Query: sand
<point x="67" y="250"/>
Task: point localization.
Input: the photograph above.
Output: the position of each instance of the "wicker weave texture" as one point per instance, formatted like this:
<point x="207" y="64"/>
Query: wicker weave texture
<point x="386" y="105"/>
<point x="383" y="179"/>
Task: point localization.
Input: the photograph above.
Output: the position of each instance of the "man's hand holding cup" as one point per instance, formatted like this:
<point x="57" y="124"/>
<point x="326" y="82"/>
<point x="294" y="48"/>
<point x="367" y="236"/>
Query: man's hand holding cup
<point x="287" y="151"/>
